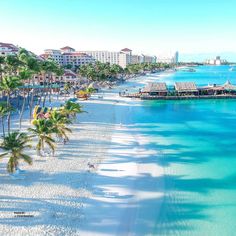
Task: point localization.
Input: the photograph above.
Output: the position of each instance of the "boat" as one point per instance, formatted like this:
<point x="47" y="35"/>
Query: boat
<point x="187" y="69"/>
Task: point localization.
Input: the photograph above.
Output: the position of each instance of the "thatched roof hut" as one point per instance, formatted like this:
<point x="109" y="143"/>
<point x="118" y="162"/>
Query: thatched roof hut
<point x="155" y="88"/>
<point x="185" y="87"/>
<point x="228" y="86"/>
<point x="214" y="87"/>
<point x="94" y="85"/>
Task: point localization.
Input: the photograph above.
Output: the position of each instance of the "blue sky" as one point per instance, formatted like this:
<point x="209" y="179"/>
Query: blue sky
<point x="155" y="27"/>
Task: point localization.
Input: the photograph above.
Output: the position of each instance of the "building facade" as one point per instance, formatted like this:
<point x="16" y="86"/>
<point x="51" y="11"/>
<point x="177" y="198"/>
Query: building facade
<point x="8" y="49"/>
<point x="69" y="77"/>
<point x="217" y="61"/>
<point x="104" y="56"/>
<point x="170" y="59"/>
<point x="122" y="58"/>
<point x="68" y="56"/>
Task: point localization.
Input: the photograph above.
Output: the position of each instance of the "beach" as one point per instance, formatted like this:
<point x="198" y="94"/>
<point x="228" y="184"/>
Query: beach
<point x="133" y="168"/>
<point x="93" y="186"/>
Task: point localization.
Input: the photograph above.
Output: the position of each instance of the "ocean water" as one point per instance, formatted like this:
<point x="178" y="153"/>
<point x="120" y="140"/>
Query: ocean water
<point x="197" y="144"/>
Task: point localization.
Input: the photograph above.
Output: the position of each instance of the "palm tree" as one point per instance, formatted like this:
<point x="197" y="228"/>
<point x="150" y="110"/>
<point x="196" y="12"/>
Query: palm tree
<point x="12" y="64"/>
<point x="9" y="84"/>
<point x="66" y="89"/>
<point x="59" y="122"/>
<point x="2" y="62"/>
<point x="14" y="145"/>
<point x="31" y="67"/>
<point x="24" y="75"/>
<point x="43" y="130"/>
<point x="70" y="109"/>
<point x="48" y="68"/>
<point x="4" y="110"/>
<point x="60" y="72"/>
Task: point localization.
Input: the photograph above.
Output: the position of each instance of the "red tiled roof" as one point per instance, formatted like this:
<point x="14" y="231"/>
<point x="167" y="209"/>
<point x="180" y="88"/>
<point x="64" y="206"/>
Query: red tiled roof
<point x="69" y="74"/>
<point x="9" y="45"/>
<point x="67" y="47"/>
<point x="44" y="55"/>
<point x="126" y="50"/>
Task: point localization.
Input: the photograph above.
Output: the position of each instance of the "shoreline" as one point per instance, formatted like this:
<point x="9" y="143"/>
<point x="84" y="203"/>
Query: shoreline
<point x="121" y="178"/>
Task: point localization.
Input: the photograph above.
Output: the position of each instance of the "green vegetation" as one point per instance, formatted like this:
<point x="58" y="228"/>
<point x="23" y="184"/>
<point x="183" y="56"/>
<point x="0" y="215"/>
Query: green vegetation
<point x="23" y="79"/>
<point x="14" y="145"/>
<point x="100" y="71"/>
<point x="104" y="71"/>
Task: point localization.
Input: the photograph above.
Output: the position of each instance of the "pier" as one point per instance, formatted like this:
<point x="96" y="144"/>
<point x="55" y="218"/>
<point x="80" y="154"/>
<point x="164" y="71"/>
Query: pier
<point x="184" y="91"/>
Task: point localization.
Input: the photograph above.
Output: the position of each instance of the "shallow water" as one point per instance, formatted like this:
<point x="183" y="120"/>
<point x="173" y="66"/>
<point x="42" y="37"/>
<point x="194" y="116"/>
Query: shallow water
<point x="198" y="145"/>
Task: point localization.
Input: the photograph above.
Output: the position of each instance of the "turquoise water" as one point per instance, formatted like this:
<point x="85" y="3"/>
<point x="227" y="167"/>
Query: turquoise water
<point x="197" y="142"/>
<point x="204" y="75"/>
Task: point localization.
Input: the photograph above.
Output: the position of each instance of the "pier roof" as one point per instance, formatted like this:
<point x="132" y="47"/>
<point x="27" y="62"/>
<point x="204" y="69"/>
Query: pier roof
<point x="155" y="87"/>
<point x="185" y="87"/>
<point x="229" y="86"/>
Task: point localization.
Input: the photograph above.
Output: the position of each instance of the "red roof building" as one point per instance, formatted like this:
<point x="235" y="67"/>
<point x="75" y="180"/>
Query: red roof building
<point x="8" y="49"/>
<point x="67" y="49"/>
<point x="126" y="50"/>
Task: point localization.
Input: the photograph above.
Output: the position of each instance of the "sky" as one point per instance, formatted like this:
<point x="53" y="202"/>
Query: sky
<point x="195" y="28"/>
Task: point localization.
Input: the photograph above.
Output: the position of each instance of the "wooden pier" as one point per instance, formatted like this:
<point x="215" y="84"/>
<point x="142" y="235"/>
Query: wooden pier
<point x="149" y="97"/>
<point x="184" y="91"/>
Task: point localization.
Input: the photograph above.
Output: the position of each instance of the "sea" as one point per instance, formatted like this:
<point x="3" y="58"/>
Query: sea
<point x="196" y="142"/>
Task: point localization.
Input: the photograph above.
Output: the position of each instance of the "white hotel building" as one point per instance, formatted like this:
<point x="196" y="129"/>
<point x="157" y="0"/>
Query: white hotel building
<point x="168" y="59"/>
<point x="122" y="58"/>
<point x="8" y="49"/>
<point x="68" y="56"/>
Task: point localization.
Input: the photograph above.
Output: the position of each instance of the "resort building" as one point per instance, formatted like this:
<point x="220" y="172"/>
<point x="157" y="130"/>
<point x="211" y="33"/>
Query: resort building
<point x="176" y="58"/>
<point x="168" y="59"/>
<point x="147" y="59"/>
<point x="216" y="62"/>
<point x="8" y="49"/>
<point x="122" y="58"/>
<point x="136" y="59"/>
<point x="68" y="56"/>
<point x="69" y="77"/>
<point x="104" y="56"/>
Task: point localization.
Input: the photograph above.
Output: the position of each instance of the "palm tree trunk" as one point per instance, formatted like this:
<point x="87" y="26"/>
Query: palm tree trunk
<point x="22" y="110"/>
<point x="50" y="92"/>
<point x="45" y="92"/>
<point x="43" y="145"/>
<point x="9" y="113"/>
<point x="3" y="128"/>
<point x="44" y="98"/>
<point x="31" y="104"/>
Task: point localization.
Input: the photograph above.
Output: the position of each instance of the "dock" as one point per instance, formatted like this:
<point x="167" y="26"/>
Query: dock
<point x="149" y="97"/>
<point x="184" y="91"/>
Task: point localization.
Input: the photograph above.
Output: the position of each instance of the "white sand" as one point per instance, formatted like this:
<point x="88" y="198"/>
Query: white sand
<point x="121" y="196"/>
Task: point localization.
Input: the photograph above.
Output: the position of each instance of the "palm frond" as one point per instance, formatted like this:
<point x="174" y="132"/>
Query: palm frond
<point x="26" y="158"/>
